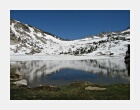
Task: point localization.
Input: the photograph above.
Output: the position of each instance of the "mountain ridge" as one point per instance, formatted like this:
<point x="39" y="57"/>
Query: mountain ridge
<point x="26" y="39"/>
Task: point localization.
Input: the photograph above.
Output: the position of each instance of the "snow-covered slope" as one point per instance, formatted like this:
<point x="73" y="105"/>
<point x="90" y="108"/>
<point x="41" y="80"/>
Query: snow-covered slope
<point x="26" y="39"/>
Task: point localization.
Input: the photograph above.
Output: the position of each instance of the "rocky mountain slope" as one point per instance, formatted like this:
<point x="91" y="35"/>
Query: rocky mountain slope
<point x="26" y="39"/>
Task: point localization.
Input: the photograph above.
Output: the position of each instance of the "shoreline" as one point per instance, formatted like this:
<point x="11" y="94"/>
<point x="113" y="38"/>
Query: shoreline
<point x="59" y="57"/>
<point x="73" y="91"/>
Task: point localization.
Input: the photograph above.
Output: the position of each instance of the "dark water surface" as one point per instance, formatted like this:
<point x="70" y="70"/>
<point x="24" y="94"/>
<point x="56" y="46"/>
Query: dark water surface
<point x="57" y="73"/>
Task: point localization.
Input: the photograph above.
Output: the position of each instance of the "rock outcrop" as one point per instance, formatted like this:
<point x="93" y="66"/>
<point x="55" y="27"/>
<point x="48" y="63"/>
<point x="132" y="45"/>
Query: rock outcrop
<point x="127" y="59"/>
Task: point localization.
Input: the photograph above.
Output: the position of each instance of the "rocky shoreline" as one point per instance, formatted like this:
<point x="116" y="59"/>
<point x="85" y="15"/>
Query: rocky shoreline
<point x="73" y="91"/>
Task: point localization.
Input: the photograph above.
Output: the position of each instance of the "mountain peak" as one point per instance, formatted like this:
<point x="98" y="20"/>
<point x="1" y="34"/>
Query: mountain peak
<point x="25" y="27"/>
<point x="26" y="39"/>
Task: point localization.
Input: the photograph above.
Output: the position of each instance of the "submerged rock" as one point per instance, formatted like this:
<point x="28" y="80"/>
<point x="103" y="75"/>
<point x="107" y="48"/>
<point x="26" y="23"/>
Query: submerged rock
<point x="21" y="82"/>
<point x="94" y="88"/>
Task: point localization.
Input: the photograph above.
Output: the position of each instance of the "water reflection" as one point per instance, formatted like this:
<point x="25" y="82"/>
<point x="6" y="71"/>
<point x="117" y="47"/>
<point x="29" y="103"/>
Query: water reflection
<point x="64" y="72"/>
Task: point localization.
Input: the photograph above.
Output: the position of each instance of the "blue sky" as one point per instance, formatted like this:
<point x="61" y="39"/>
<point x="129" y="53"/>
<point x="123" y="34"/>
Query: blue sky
<point x="74" y="24"/>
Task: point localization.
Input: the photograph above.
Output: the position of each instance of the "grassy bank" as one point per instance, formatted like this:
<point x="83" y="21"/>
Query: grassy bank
<point x="74" y="91"/>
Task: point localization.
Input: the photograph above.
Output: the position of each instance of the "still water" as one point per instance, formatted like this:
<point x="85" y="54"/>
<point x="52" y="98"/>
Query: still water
<point x="57" y="73"/>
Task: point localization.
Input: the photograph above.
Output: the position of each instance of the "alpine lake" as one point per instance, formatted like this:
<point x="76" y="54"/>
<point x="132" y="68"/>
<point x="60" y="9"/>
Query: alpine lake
<point x="68" y="79"/>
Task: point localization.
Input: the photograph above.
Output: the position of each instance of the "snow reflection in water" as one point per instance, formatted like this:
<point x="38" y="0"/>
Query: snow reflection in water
<point x="58" y="73"/>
